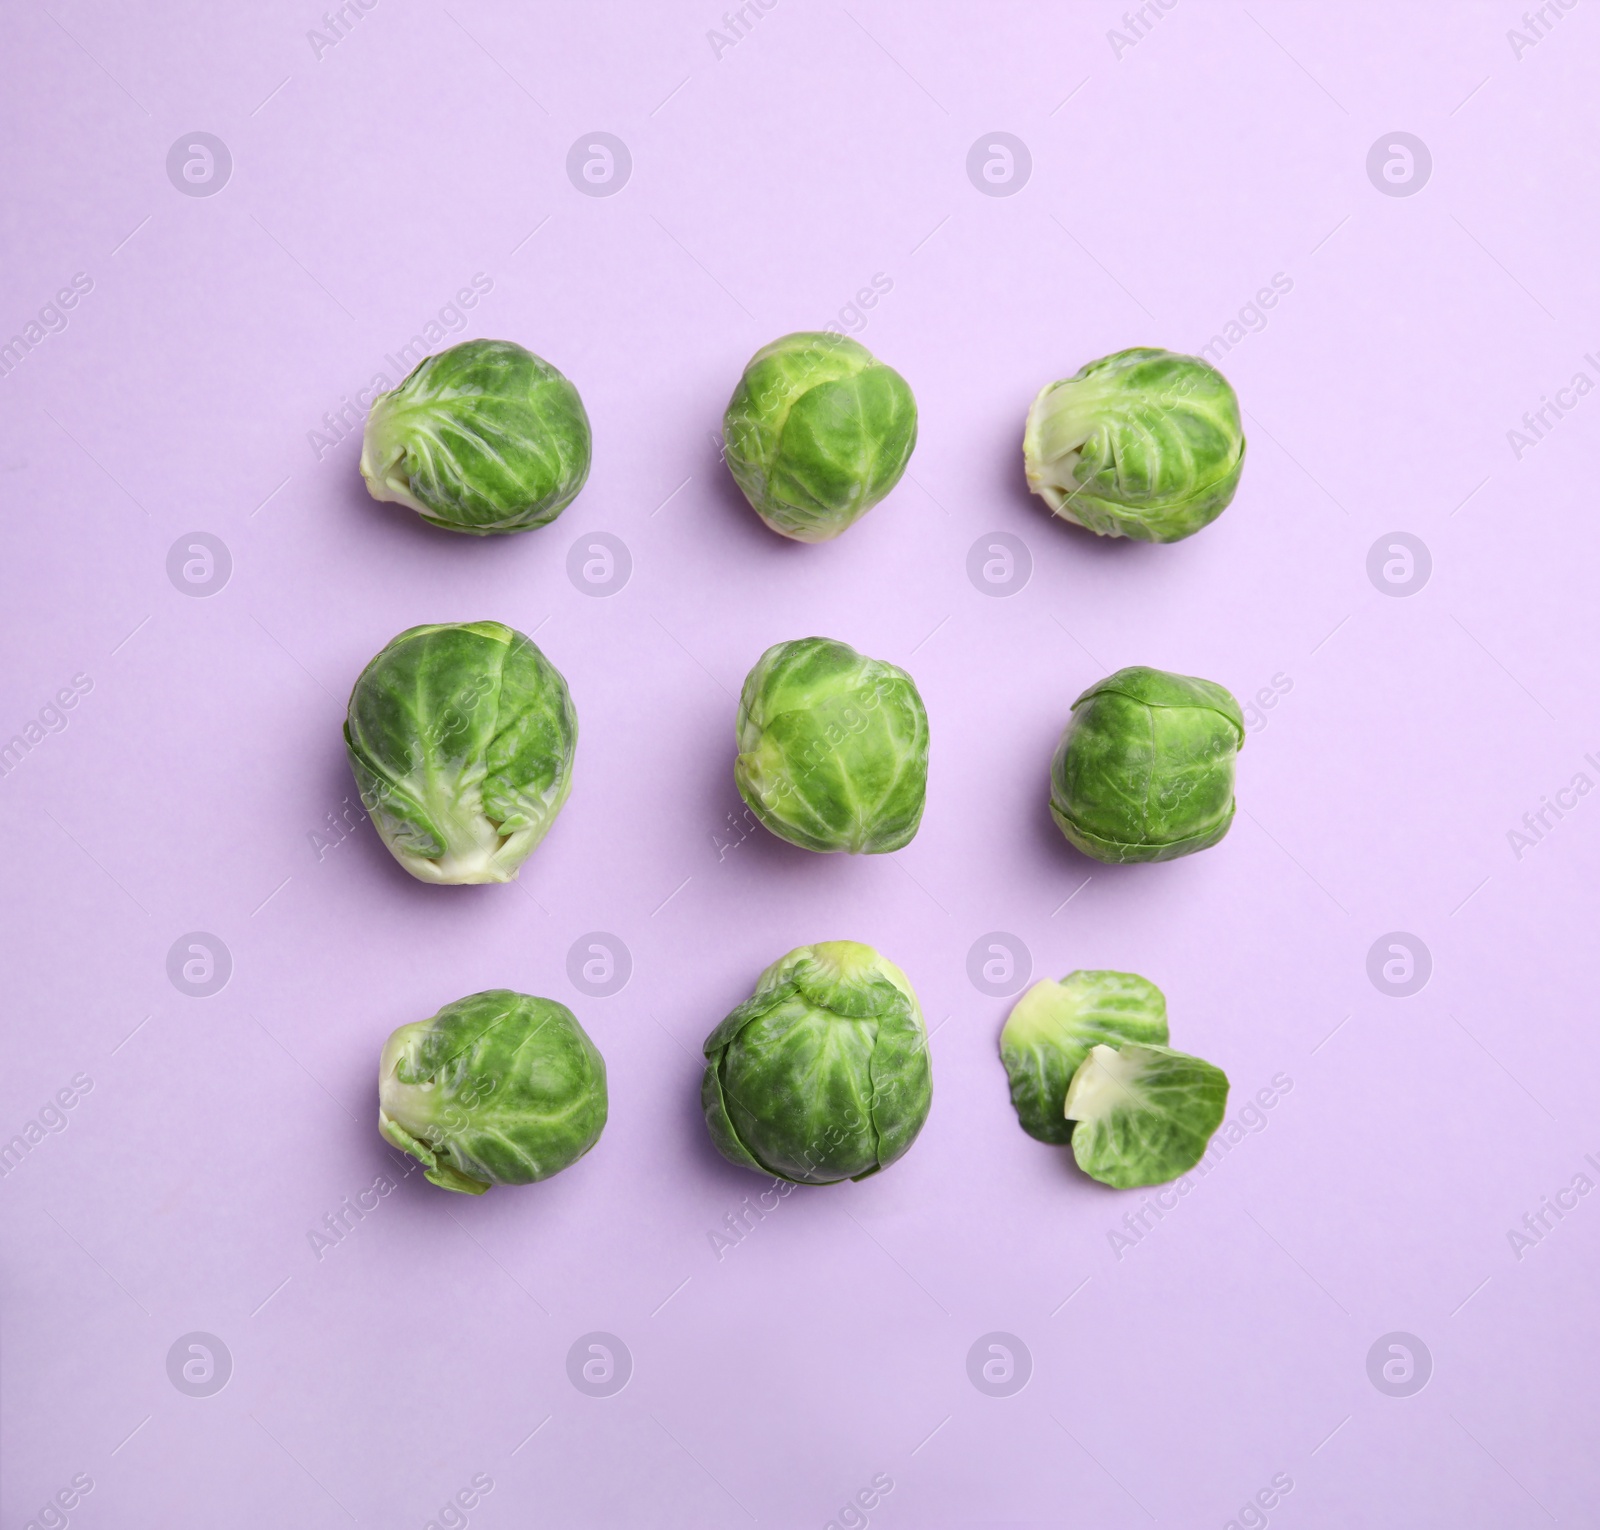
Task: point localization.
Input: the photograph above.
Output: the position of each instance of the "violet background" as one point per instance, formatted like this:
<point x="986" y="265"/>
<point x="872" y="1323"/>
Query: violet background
<point x="768" y="186"/>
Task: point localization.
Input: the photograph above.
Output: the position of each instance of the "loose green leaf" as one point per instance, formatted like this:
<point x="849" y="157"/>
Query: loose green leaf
<point x="1143" y="1114"/>
<point x="1052" y="1028"/>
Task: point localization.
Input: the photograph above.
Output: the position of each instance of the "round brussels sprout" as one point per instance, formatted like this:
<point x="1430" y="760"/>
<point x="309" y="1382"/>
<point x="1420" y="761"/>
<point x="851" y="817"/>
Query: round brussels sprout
<point x="1051" y="1029"/>
<point x="482" y="438"/>
<point x="833" y="748"/>
<point x="817" y="432"/>
<point x="1143" y="1114"/>
<point x="821" y="1074"/>
<point x="461" y="739"/>
<point x="1144" y="771"/>
<point x="498" y="1088"/>
<point x="1144" y="444"/>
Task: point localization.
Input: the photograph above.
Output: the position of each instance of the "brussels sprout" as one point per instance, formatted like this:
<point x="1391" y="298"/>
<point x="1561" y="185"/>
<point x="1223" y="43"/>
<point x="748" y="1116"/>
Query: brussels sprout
<point x="482" y="438"/>
<point x="821" y="1074"/>
<point x="461" y="739"/>
<point x="817" y="432"/>
<point x="1144" y="1114"/>
<point x="833" y="748"/>
<point x="498" y="1088"/>
<point x="1144" y="770"/>
<point x="1144" y="444"/>
<point x="1051" y="1029"/>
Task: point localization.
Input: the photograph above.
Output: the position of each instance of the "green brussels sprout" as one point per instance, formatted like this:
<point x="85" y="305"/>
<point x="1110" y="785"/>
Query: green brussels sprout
<point x="1052" y="1027"/>
<point x="1143" y="1114"/>
<point x="822" y="1073"/>
<point x="482" y="438"/>
<point x="833" y="748"/>
<point x="498" y="1088"/>
<point x="817" y="432"/>
<point x="461" y="738"/>
<point x="1144" y="444"/>
<point x="1144" y="770"/>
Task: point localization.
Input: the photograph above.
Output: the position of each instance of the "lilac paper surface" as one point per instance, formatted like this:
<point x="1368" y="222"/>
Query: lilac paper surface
<point x="1402" y="593"/>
